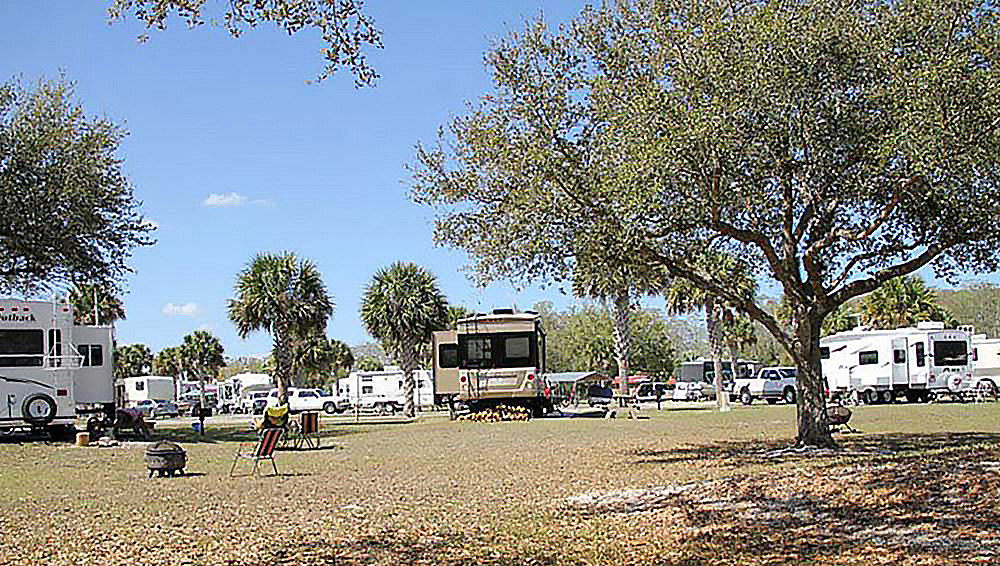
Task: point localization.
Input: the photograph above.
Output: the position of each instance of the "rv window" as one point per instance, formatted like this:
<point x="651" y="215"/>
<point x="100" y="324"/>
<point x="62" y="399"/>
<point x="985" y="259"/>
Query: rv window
<point x="448" y="355"/>
<point x="367" y="390"/>
<point x="824" y="353"/>
<point x="140" y="386"/>
<point x="55" y="342"/>
<point x="516" y="351"/>
<point x="920" y="354"/>
<point x="868" y="358"/>
<point x="899" y="356"/>
<point x="479" y="352"/>
<point x="93" y="354"/>
<point x="975" y="354"/>
<point x="950" y="353"/>
<point x="27" y="343"/>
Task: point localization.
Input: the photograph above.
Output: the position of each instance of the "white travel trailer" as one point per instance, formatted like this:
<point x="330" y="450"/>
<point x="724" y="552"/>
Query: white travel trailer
<point x="883" y="365"/>
<point x="148" y="387"/>
<point x="231" y="390"/>
<point x="986" y="364"/>
<point x="51" y="369"/>
<point x="384" y="389"/>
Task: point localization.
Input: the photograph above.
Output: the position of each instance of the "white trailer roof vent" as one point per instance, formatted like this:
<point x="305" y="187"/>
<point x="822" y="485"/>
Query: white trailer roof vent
<point x="930" y="325"/>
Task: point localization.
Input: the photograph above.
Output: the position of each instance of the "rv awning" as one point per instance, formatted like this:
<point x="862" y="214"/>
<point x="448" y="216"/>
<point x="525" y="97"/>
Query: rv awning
<point x="572" y="377"/>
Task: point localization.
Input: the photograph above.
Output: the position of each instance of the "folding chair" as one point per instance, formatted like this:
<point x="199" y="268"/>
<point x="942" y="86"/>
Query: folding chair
<point x="308" y="430"/>
<point x="264" y="450"/>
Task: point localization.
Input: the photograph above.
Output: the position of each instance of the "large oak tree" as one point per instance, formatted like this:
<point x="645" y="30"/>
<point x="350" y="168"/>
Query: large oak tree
<point x="68" y="212"/>
<point x="828" y="146"/>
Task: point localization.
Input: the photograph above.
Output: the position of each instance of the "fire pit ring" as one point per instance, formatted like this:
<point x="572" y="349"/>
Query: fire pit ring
<point x="165" y="458"/>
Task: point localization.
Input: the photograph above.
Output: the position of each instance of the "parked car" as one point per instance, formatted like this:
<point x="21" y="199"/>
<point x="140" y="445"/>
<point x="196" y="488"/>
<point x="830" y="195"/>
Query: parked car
<point x="190" y="402"/>
<point x="772" y="384"/>
<point x="254" y="402"/>
<point x="309" y="400"/>
<point x="694" y="390"/>
<point x="165" y="408"/>
<point x="154" y="408"/>
<point x="599" y="395"/>
<point x="651" y="392"/>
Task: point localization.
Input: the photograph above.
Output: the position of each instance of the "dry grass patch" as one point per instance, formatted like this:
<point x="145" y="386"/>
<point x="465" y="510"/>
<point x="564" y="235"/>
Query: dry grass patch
<point x="684" y="487"/>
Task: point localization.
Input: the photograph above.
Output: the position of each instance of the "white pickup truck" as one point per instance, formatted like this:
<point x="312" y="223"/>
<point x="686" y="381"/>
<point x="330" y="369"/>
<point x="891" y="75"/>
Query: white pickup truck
<point x="772" y="384"/>
<point x="309" y="400"/>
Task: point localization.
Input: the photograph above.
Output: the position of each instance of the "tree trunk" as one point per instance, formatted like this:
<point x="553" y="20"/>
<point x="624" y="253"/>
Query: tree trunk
<point x="408" y="359"/>
<point x="813" y="424"/>
<point x="715" y="347"/>
<point x="621" y="318"/>
<point x="281" y="365"/>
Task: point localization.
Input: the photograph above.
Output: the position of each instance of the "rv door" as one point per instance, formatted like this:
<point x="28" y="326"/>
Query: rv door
<point x="900" y="368"/>
<point x="445" y="347"/>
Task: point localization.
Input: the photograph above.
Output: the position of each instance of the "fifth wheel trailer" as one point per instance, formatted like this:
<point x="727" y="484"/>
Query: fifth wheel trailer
<point x="880" y="366"/>
<point x="50" y="368"/>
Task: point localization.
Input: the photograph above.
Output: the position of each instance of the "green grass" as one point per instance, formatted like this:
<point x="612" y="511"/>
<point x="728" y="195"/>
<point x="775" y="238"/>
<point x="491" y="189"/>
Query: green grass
<point x="681" y="487"/>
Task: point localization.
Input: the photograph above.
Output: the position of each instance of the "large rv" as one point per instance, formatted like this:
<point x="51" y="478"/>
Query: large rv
<point x="986" y="364"/>
<point x="51" y="369"/>
<point x="500" y="360"/>
<point x="880" y="366"/>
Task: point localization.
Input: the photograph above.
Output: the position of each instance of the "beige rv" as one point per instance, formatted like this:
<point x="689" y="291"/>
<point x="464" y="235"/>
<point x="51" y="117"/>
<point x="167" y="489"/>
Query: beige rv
<point x="493" y="359"/>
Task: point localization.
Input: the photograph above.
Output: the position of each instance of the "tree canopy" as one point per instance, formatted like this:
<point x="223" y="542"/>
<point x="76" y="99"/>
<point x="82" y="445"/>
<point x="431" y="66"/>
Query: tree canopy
<point x="69" y="212"/>
<point x="401" y="307"/>
<point x="827" y="146"/>
<point x="345" y="30"/>
<point x="132" y="360"/>
<point x="286" y="297"/>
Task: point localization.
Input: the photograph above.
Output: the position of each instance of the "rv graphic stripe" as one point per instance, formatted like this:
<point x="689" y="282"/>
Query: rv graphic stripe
<point x="19" y="380"/>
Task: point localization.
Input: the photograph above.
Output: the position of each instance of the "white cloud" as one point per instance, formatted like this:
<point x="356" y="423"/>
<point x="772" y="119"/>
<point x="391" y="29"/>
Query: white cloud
<point x="262" y="202"/>
<point x="224" y="199"/>
<point x="187" y="309"/>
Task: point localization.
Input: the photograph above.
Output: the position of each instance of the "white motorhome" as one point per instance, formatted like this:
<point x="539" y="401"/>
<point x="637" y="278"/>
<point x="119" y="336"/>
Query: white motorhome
<point x="148" y="387"/>
<point x="231" y="390"/>
<point x="880" y="366"/>
<point x="50" y="368"/>
<point x="384" y="389"/>
<point x="986" y="364"/>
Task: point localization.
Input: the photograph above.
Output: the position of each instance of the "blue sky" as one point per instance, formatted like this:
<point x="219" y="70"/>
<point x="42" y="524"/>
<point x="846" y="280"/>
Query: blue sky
<point x="233" y="153"/>
<point x="317" y="169"/>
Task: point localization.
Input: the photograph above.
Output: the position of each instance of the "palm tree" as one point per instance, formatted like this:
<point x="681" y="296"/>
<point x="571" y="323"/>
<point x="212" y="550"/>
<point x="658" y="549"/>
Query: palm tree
<point x="901" y="302"/>
<point x="683" y="297"/>
<point x="400" y="308"/>
<point x="286" y="297"/>
<point x="605" y="270"/>
<point x="132" y="360"/>
<point x="83" y="298"/>
<point x="738" y="333"/>
<point x="313" y="359"/>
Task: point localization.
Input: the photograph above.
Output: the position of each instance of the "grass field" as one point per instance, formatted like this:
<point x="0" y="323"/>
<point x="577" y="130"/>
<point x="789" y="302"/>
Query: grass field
<point x="920" y="485"/>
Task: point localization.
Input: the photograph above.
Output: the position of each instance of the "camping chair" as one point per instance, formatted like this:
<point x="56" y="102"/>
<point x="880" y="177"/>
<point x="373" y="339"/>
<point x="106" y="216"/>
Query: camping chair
<point x="307" y="431"/>
<point x="264" y="450"/>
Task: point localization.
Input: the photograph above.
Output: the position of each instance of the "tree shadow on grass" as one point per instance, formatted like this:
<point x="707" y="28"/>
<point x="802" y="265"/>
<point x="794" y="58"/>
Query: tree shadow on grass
<point x="734" y="454"/>
<point x="215" y="435"/>
<point x="925" y="498"/>
<point x="392" y="548"/>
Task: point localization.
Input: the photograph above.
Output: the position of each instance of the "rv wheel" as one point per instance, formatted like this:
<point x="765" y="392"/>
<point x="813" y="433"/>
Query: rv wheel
<point x="871" y="397"/>
<point x="745" y="397"/>
<point x="38" y="409"/>
<point x="888" y="396"/>
<point x="330" y="408"/>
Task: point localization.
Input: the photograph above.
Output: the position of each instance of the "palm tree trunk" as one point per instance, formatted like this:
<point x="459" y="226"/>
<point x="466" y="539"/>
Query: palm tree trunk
<point x="408" y="359"/>
<point x="715" y="347"/>
<point x="281" y="363"/>
<point x="621" y="336"/>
